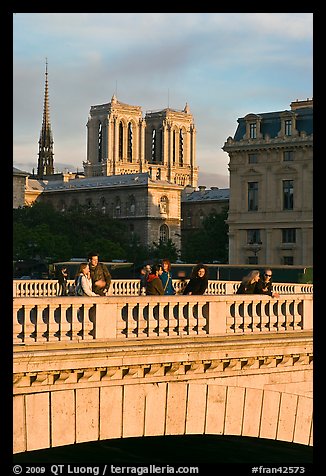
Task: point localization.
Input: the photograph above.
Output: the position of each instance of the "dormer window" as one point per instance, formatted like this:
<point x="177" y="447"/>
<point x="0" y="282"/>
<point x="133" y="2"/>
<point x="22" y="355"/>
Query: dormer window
<point x="288" y="127"/>
<point x="253" y="130"/>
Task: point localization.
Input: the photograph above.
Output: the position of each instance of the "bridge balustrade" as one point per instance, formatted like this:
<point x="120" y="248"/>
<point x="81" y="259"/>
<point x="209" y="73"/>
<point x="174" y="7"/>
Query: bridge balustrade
<point x="131" y="287"/>
<point x="52" y="319"/>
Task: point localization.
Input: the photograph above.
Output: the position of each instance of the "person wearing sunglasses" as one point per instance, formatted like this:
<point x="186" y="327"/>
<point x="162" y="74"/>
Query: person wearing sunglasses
<point x="265" y="285"/>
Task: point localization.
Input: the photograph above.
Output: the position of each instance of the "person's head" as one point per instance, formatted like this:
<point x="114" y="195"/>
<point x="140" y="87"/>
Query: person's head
<point x="157" y="269"/>
<point x="200" y="271"/>
<point x="93" y="259"/>
<point x="253" y="276"/>
<point x="267" y="274"/>
<point x="148" y="268"/>
<point x="84" y="268"/>
<point x="166" y="264"/>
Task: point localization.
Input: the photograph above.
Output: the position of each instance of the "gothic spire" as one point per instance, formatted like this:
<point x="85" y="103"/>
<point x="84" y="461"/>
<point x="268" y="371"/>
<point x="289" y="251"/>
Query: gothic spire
<point x="45" y="155"/>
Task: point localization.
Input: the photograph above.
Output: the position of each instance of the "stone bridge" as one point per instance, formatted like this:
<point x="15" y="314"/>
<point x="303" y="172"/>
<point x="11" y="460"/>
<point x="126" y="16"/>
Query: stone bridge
<point x="88" y="369"/>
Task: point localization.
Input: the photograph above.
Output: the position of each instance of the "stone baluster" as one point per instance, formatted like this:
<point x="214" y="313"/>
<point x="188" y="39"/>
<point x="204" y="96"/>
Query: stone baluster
<point x="142" y="316"/>
<point x="172" y="320"/>
<point x="29" y="325"/>
<point x="17" y="326"/>
<point x="201" y="320"/>
<point x="65" y="326"/>
<point x="89" y="314"/>
<point x="183" y="311"/>
<point x="256" y="311"/>
<point x="297" y="316"/>
<point x="41" y="325"/>
<point x="76" y="325"/>
<point x="275" y="313"/>
<point x="53" y="325"/>
<point x="131" y="323"/>
<point x="238" y="317"/>
<point x="247" y="320"/>
<point x="193" y="312"/>
<point x="152" y="322"/>
<point x="161" y="321"/>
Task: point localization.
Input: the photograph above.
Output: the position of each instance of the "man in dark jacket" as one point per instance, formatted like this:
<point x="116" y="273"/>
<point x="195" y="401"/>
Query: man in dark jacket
<point x="264" y="285"/>
<point x="154" y="284"/>
<point x="101" y="277"/>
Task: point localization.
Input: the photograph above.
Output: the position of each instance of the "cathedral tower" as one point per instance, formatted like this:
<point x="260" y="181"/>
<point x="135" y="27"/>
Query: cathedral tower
<point x="120" y="141"/>
<point x="45" y="155"/>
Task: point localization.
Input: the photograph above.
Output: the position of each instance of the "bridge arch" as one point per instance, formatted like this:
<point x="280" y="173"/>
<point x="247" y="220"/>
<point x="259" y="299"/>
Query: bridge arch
<point x="63" y="417"/>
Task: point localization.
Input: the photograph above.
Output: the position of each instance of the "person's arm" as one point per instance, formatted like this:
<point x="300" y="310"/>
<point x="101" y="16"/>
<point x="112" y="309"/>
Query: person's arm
<point x="107" y="276"/>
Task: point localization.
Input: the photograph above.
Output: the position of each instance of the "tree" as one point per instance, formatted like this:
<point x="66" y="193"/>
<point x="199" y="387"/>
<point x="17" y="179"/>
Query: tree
<point x="210" y="243"/>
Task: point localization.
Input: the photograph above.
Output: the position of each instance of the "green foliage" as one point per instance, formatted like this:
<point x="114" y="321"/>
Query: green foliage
<point x="210" y="243"/>
<point x="164" y="249"/>
<point x="43" y="233"/>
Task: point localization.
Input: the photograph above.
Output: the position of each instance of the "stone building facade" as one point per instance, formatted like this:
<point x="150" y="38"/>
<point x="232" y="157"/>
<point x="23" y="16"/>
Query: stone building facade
<point x="197" y="204"/>
<point x="271" y="187"/>
<point x="121" y="141"/>
<point x="150" y="208"/>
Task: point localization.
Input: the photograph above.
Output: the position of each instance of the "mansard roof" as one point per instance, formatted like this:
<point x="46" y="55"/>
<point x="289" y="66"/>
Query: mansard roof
<point x="140" y="179"/>
<point x="207" y="195"/>
<point x="271" y="122"/>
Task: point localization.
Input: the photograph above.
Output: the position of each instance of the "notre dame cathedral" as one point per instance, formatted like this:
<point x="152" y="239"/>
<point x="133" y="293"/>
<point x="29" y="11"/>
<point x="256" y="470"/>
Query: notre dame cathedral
<point x="121" y="141"/>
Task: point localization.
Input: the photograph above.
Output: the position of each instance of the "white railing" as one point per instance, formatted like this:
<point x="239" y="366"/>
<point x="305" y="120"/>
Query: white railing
<point x="131" y="287"/>
<point x="53" y="319"/>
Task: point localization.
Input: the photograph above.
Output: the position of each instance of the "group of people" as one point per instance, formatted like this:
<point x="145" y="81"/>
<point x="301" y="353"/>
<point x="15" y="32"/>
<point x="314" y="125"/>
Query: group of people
<point x="157" y="280"/>
<point x="93" y="279"/>
<point x="254" y="283"/>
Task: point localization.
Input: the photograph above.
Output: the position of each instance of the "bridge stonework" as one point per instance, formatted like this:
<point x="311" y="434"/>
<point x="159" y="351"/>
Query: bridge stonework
<point x="88" y="369"/>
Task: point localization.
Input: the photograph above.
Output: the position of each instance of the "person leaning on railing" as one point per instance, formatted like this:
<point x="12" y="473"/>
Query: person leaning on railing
<point x="249" y="283"/>
<point x="198" y="281"/>
<point x="265" y="285"/>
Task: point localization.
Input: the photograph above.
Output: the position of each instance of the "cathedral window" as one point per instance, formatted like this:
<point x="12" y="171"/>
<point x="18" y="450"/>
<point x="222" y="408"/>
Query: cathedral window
<point x="164" y="233"/>
<point x="103" y="205"/>
<point x="181" y="151"/>
<point x="164" y="204"/>
<point x="117" y="207"/>
<point x="120" y="141"/>
<point x="131" y="205"/>
<point x="153" y="152"/>
<point x="173" y="148"/>
<point x="129" y="152"/>
<point x="100" y="142"/>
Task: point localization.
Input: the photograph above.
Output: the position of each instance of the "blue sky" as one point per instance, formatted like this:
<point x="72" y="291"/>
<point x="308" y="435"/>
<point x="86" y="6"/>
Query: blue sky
<point x="224" y="65"/>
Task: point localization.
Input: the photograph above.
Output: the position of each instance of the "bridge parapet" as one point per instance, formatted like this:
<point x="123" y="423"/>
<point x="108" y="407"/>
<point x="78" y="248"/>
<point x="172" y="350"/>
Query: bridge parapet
<point x="131" y="287"/>
<point x="62" y="318"/>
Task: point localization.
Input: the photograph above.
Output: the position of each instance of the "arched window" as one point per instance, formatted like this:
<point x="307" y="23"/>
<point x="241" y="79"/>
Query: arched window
<point x="62" y="206"/>
<point x="103" y="205"/>
<point x="131" y="205"/>
<point x="153" y="152"/>
<point x="117" y="207"/>
<point x="164" y="233"/>
<point x="100" y="142"/>
<point x="120" y="140"/>
<point x="173" y="147"/>
<point x="164" y="203"/>
<point x="129" y="151"/>
<point x="181" y="152"/>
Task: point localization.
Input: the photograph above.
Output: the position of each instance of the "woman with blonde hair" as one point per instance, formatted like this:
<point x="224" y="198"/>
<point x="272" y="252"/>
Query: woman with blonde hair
<point x="84" y="281"/>
<point x="249" y="283"/>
